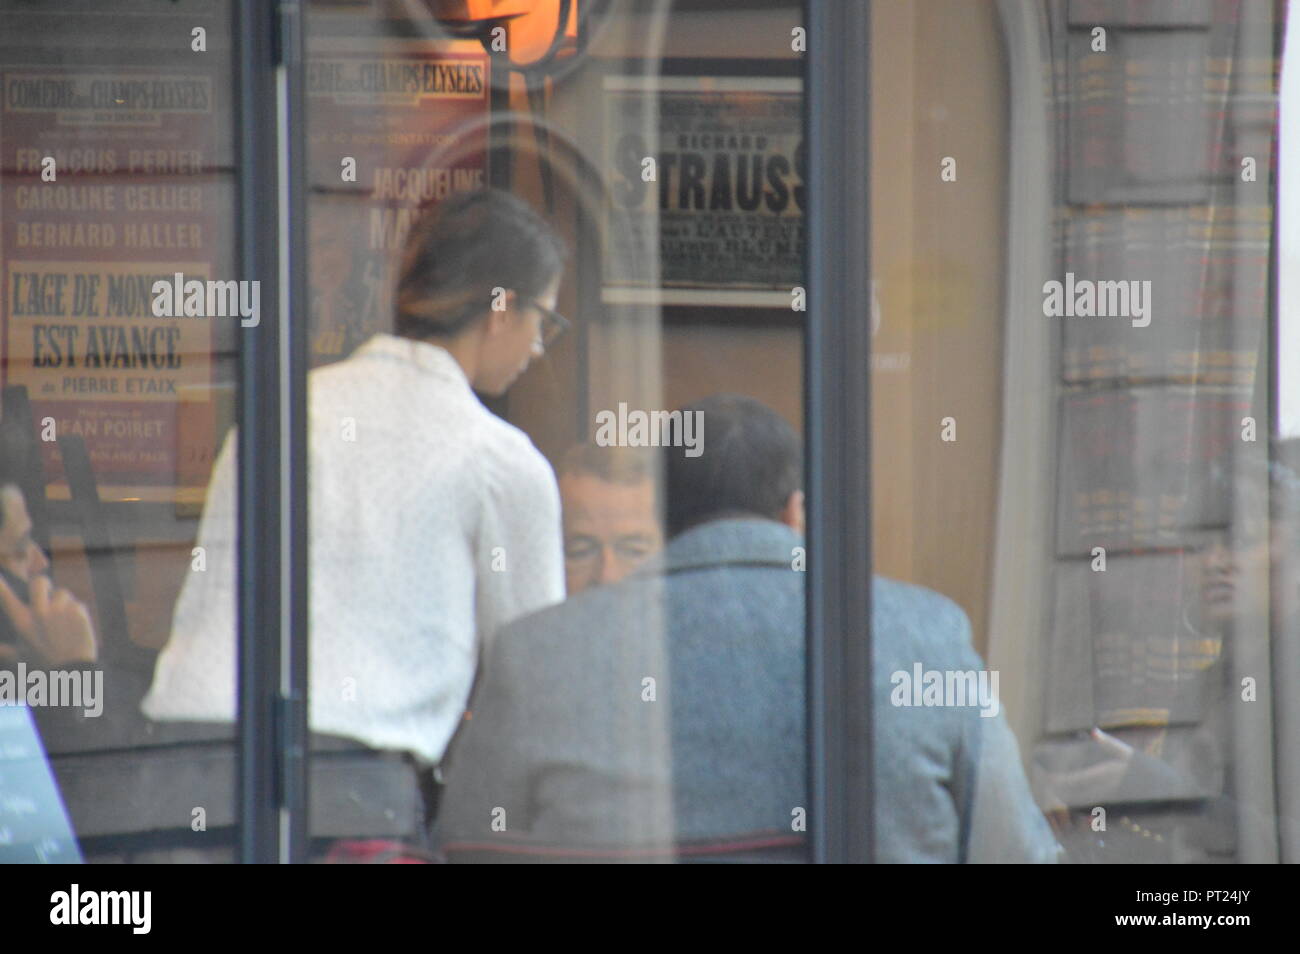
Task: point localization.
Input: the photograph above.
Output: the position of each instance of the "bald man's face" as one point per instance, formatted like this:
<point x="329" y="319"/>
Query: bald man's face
<point x="609" y="528"/>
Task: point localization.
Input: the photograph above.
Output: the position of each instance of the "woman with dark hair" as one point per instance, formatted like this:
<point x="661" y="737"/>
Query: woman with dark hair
<point x="433" y="521"/>
<point x="479" y="280"/>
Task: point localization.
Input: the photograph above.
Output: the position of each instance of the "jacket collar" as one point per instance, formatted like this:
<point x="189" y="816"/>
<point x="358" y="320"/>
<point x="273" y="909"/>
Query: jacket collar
<point x="424" y="355"/>
<point x="751" y="541"/>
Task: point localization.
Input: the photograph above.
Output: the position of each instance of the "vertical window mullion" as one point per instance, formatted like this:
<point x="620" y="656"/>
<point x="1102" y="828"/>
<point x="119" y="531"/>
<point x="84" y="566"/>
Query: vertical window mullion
<point x="271" y="522"/>
<point x="838" y="430"/>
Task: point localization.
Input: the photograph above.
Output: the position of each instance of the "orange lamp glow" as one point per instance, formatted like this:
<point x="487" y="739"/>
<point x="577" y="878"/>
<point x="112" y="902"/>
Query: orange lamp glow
<point x="531" y="24"/>
<point x="477" y="10"/>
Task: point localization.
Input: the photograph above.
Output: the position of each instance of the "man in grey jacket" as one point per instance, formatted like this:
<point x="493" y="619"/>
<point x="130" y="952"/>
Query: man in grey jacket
<point x="663" y="717"/>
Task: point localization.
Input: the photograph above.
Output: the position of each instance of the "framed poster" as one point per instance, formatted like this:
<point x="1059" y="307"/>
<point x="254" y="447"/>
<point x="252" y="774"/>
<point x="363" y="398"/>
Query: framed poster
<point x="390" y="133"/>
<point x="115" y="178"/>
<point x="706" y="169"/>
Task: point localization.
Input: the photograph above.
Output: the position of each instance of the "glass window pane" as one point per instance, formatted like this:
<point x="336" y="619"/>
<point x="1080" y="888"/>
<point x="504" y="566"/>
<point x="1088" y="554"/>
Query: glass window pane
<point x="117" y="173"/>
<point x="1074" y="434"/>
<point x="556" y="562"/>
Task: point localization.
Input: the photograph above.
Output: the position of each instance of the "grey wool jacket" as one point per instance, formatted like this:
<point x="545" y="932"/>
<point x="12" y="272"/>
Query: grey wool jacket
<point x="663" y="718"/>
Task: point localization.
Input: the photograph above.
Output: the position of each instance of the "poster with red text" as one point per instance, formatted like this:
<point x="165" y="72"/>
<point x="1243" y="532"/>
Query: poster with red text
<point x="389" y="135"/>
<point x="113" y="180"/>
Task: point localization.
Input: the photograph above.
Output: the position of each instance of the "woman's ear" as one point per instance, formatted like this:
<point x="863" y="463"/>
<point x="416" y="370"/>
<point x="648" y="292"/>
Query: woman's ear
<point x="502" y="308"/>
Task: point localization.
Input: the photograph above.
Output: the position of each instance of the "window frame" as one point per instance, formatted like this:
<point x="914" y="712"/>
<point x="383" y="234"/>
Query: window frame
<point x="837" y="406"/>
<point x="272" y="517"/>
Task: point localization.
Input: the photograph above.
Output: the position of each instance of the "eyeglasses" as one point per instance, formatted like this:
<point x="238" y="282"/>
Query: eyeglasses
<point x="554" y="324"/>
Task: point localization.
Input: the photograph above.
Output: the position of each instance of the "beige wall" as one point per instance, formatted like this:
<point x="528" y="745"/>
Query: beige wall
<point x="764" y="363"/>
<point x="938" y="249"/>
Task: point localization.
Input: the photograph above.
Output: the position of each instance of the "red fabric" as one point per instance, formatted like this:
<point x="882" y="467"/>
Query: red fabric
<point x="375" y="851"/>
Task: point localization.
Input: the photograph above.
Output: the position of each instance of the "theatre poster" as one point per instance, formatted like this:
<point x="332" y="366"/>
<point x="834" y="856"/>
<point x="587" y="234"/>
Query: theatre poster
<point x="390" y="135"/>
<point x="115" y="178"/>
<point x="706" y="179"/>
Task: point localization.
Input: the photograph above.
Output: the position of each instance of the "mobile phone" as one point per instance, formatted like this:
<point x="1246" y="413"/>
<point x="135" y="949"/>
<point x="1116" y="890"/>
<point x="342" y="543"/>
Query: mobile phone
<point x="17" y="584"/>
<point x="8" y="631"/>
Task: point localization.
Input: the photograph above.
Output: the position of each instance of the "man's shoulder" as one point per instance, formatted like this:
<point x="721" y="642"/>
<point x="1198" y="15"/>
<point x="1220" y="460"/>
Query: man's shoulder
<point x="602" y="613"/>
<point x="910" y="599"/>
<point x="583" y="652"/>
<point x="907" y="618"/>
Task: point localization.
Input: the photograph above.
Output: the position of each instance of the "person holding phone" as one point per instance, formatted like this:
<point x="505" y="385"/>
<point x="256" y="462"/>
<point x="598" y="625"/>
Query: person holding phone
<point x="40" y="623"/>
